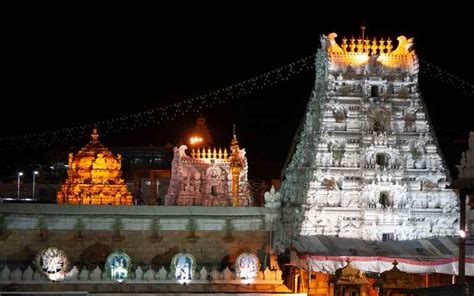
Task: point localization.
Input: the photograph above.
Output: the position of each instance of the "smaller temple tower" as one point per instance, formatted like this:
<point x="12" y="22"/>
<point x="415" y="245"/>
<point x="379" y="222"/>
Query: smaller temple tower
<point x="209" y="177"/>
<point x="94" y="177"/>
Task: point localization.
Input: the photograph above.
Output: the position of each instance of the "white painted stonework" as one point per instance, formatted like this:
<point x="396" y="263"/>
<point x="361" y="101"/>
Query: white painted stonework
<point x="205" y="179"/>
<point x="272" y="198"/>
<point x="366" y="163"/>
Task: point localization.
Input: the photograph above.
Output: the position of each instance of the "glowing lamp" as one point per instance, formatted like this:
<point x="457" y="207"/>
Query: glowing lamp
<point x="195" y="140"/>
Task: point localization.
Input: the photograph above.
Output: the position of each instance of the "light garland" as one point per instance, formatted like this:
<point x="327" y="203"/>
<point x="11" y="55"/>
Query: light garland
<point x="158" y="115"/>
<point x="464" y="87"/>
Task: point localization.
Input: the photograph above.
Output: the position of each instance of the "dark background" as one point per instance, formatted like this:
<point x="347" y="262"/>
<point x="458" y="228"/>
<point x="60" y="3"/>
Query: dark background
<point x="77" y="66"/>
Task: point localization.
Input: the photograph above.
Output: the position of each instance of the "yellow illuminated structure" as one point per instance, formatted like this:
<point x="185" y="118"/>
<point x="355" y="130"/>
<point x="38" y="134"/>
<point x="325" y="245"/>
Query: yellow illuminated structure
<point x="235" y="166"/>
<point x="94" y="177"/>
<point x="356" y="52"/>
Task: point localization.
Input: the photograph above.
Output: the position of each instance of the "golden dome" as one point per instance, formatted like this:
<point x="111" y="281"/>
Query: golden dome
<point x="94" y="177"/>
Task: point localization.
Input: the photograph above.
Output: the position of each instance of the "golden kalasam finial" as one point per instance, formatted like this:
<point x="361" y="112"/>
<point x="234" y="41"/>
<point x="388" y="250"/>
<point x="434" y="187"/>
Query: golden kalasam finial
<point x="198" y="153"/>
<point x="389" y="45"/>
<point x="381" y="46"/>
<point x="94" y="135"/>
<point x="344" y="44"/>
<point x="359" y="46"/>
<point x="225" y="154"/>
<point x="374" y="47"/>
<point x="352" y="44"/>
<point x="366" y="46"/>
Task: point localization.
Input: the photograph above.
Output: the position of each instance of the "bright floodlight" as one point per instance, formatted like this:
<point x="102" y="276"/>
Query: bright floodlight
<point x="462" y="233"/>
<point x="20" y="174"/>
<point x="35" y="172"/>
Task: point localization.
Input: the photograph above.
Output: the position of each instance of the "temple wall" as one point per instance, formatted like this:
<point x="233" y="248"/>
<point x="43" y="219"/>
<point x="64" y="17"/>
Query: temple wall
<point x="29" y="228"/>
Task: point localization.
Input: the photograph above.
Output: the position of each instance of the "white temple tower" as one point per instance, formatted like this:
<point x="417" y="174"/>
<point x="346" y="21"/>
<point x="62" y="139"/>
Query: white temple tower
<point x="365" y="162"/>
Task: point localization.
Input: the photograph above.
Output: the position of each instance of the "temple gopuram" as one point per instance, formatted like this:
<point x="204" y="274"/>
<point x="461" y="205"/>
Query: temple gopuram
<point x="209" y="177"/>
<point x="94" y="177"/>
<point x="366" y="179"/>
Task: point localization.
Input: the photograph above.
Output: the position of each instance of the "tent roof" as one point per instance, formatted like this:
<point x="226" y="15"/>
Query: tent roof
<point x="428" y="249"/>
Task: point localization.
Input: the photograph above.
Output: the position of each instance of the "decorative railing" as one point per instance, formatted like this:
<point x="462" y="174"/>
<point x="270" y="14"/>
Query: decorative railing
<point x="209" y="153"/>
<point x="139" y="275"/>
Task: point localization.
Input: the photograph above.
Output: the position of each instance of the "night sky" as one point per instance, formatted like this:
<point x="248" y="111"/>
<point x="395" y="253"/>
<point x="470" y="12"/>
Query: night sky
<point x="85" y="67"/>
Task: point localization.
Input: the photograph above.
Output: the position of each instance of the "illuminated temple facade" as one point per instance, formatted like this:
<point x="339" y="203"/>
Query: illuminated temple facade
<point x="94" y="177"/>
<point x="209" y="177"/>
<point x="366" y="163"/>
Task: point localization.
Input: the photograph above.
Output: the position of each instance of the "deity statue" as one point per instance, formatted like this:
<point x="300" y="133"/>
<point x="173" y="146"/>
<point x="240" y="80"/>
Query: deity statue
<point x="272" y="198"/>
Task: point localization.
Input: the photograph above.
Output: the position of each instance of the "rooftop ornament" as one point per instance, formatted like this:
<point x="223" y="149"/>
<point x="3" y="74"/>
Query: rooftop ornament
<point x="357" y="52"/>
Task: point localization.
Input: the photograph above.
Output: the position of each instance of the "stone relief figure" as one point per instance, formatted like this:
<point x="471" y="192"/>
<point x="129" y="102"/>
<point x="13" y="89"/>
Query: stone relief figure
<point x="197" y="182"/>
<point x="339" y="112"/>
<point x="369" y="156"/>
<point x="272" y="198"/>
<point x="394" y="159"/>
<point x="400" y="196"/>
<point x="334" y="199"/>
<point x="213" y="180"/>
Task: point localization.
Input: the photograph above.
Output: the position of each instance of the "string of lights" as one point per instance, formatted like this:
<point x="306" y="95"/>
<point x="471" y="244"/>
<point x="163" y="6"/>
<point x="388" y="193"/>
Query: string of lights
<point x="169" y="112"/>
<point x="464" y="87"/>
<point x="157" y="115"/>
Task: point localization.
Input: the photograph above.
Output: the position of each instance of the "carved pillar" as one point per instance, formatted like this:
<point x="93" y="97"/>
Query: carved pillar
<point x="235" y="166"/>
<point x="235" y="186"/>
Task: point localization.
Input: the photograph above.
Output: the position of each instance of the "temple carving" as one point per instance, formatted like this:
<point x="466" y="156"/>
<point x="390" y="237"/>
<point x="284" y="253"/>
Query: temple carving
<point x="94" y="177"/>
<point x="366" y="162"/>
<point x="209" y="177"/>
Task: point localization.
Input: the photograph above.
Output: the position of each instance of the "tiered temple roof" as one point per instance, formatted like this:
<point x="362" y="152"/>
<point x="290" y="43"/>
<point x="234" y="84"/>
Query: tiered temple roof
<point x="94" y="177"/>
